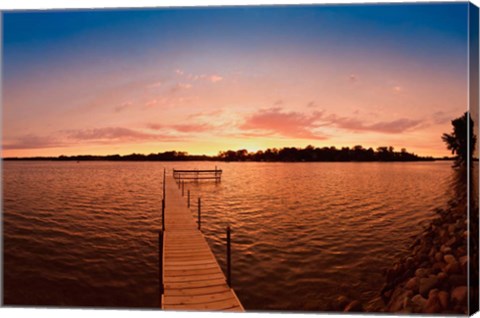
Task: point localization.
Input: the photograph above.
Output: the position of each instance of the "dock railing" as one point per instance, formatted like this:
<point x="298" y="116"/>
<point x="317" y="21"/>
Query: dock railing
<point x="196" y="175"/>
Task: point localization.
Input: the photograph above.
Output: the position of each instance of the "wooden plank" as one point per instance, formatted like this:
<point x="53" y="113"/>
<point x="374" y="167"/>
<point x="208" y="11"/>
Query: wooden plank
<point x="197" y="291"/>
<point x="169" y="262"/>
<point x="190" y="267"/>
<point x="196" y="278"/>
<point x="198" y="299"/>
<point x="189" y="272"/>
<point x="192" y="257"/>
<point x="215" y="305"/>
<point x="203" y="283"/>
<point x="236" y="309"/>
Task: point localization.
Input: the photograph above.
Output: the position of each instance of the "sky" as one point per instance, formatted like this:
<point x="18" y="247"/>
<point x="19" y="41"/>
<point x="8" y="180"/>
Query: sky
<point x="203" y="80"/>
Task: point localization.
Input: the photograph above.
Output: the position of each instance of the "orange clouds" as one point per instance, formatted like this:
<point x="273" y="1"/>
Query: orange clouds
<point x="291" y="124"/>
<point x="68" y="138"/>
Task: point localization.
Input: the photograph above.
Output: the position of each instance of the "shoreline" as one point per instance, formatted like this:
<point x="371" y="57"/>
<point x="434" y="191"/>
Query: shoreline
<point x="433" y="277"/>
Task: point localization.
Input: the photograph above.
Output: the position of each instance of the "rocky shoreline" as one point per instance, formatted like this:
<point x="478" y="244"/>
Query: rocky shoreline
<point x="433" y="278"/>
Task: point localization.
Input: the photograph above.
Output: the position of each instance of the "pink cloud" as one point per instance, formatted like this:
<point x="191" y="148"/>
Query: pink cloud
<point x="33" y="142"/>
<point x="212" y="113"/>
<point x="215" y="78"/>
<point x="302" y="125"/>
<point x="192" y="128"/>
<point x="114" y="134"/>
<point x="291" y="124"/>
<point x="184" y="128"/>
<point x="67" y="138"/>
<point x="390" y="127"/>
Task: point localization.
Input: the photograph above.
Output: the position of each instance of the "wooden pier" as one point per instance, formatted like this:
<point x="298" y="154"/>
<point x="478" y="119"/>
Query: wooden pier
<point x="190" y="275"/>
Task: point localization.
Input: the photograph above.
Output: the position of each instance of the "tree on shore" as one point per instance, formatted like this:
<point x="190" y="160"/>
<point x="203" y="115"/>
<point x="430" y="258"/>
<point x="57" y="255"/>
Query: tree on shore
<point x="458" y="140"/>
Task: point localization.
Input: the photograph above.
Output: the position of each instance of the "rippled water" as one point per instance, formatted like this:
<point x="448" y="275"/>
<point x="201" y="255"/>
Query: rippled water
<point x="85" y="234"/>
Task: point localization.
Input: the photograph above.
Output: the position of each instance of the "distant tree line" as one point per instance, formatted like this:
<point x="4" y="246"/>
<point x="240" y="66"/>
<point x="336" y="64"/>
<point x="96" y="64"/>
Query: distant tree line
<point x="287" y="154"/>
<point x="312" y="154"/>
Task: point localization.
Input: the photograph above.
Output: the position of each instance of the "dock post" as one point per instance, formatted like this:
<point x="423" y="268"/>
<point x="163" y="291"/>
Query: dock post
<point x="199" y="213"/>
<point x="164" y="172"/>
<point x="229" y="279"/>
<point x="188" y="200"/>
<point x="163" y="214"/>
<point x="183" y="188"/>
<point x="160" y="265"/>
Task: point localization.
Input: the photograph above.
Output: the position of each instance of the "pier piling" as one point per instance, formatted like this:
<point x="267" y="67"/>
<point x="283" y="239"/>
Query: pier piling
<point x="163" y="214"/>
<point x="229" y="279"/>
<point x="199" y="213"/>
<point x="160" y="266"/>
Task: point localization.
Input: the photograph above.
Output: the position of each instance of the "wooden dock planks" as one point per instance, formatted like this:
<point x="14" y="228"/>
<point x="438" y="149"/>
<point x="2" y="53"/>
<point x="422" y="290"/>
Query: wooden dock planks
<point x="192" y="278"/>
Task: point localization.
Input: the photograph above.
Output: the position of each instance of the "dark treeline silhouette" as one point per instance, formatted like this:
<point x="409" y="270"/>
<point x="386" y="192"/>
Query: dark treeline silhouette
<point x="288" y="154"/>
<point x="310" y="154"/>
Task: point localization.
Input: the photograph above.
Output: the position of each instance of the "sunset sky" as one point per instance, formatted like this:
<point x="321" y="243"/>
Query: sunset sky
<point x="204" y="80"/>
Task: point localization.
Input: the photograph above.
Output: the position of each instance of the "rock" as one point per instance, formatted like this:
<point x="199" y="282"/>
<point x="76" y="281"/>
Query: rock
<point x="412" y="284"/>
<point x="457" y="280"/>
<point x="452" y="268"/>
<point x="407" y="303"/>
<point x="459" y="295"/>
<point x="441" y="276"/>
<point x="438" y="256"/>
<point x="433" y="304"/>
<point x="445" y="249"/>
<point x="449" y="259"/>
<point x="451" y="241"/>
<point x="418" y="302"/>
<point x="443" y="297"/>
<point x="421" y="272"/>
<point x="426" y="284"/>
<point x="354" y="306"/>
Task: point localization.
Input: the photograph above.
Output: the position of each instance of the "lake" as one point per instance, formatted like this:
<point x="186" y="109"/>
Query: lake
<point x="85" y="234"/>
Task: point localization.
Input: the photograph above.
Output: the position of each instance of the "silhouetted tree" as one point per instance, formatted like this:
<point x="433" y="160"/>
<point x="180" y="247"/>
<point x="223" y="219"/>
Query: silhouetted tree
<point x="457" y="141"/>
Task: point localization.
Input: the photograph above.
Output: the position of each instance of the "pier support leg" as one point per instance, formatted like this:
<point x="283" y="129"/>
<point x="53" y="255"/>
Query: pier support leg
<point x="164" y="172"/>
<point x="160" y="266"/>
<point x="183" y="188"/>
<point x="229" y="276"/>
<point x="199" y="213"/>
<point x="163" y="214"/>
<point x="188" y="200"/>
